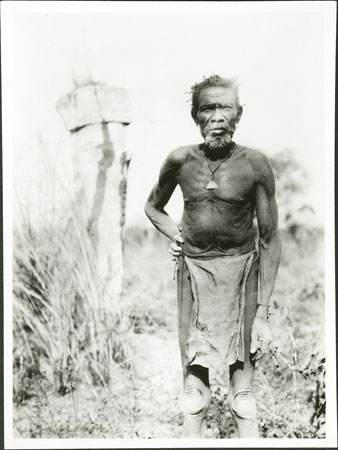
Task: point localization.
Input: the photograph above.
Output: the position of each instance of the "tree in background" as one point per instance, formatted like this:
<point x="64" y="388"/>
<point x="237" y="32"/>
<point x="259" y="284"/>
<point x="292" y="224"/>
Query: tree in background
<point x="296" y="215"/>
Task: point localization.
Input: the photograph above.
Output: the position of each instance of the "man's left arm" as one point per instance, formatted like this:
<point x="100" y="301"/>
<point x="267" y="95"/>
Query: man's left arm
<point x="269" y="255"/>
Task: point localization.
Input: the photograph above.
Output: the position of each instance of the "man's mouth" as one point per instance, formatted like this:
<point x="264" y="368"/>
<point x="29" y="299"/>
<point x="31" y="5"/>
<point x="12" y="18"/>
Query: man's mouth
<point x="218" y="131"/>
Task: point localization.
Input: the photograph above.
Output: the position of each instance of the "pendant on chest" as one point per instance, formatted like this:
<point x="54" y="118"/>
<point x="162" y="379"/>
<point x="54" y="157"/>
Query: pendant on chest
<point x="212" y="184"/>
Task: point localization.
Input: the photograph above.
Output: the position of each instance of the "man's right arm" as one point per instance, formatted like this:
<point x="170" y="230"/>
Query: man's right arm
<point x="160" y="196"/>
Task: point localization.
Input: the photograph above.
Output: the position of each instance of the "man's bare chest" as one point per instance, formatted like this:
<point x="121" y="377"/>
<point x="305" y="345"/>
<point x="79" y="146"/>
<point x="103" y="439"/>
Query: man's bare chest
<point x="233" y="180"/>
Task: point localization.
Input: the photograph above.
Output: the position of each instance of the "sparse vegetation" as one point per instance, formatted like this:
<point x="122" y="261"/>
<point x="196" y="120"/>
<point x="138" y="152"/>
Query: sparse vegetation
<point x="62" y="335"/>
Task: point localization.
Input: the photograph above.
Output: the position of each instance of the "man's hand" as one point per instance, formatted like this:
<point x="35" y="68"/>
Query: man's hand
<point x="175" y="249"/>
<point x="260" y="336"/>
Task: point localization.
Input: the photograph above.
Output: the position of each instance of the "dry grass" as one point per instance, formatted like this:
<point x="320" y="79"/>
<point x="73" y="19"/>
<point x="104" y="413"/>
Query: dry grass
<point x="62" y="334"/>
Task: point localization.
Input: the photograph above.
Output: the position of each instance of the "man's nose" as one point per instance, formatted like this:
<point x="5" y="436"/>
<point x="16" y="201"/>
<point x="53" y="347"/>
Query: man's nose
<point x="218" y="116"/>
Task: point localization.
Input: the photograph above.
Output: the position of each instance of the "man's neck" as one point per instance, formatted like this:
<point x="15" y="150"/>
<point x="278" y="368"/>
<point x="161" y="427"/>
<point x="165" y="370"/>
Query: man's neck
<point x="219" y="153"/>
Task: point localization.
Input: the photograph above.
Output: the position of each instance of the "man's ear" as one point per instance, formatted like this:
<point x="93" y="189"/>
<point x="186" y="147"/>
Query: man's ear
<point x="239" y="113"/>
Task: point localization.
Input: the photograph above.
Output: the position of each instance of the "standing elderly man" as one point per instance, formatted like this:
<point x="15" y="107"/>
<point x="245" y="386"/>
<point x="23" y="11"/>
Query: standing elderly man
<point x="223" y="314"/>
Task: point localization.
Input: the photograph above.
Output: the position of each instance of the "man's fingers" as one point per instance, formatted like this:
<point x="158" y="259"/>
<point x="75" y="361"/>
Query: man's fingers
<point x="254" y="344"/>
<point x="260" y="348"/>
<point x="175" y="249"/>
<point x="175" y="254"/>
<point x="253" y="347"/>
<point x="260" y="339"/>
<point x="257" y="356"/>
<point x="178" y="238"/>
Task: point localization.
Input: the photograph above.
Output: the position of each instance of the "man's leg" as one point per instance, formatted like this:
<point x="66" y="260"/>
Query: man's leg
<point x="185" y="302"/>
<point x="196" y="400"/>
<point x="196" y="393"/>
<point x="241" y="400"/>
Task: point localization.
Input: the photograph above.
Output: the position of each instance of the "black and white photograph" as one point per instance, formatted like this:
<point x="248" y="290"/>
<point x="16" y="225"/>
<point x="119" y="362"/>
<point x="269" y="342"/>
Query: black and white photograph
<point x="168" y="180"/>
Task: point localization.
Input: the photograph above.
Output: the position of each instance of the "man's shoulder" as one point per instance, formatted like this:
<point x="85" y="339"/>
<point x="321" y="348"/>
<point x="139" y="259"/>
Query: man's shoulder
<point x="182" y="153"/>
<point x="259" y="163"/>
<point x="256" y="158"/>
<point x="252" y="154"/>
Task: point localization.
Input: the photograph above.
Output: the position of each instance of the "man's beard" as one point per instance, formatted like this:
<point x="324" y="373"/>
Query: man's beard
<point x="217" y="142"/>
<point x="212" y="142"/>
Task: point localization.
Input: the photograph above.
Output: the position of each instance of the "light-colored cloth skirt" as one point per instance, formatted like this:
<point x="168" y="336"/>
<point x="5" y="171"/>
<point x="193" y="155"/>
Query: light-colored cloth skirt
<point x="215" y="334"/>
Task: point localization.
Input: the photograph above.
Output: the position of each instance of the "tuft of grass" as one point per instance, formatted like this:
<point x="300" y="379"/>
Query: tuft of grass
<point x="62" y="332"/>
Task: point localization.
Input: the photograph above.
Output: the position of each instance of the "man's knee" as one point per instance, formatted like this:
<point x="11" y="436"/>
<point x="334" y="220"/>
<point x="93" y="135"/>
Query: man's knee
<point x="243" y="406"/>
<point x="196" y="396"/>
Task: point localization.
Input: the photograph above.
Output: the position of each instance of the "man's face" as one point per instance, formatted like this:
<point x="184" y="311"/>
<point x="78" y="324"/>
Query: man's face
<point x="217" y="115"/>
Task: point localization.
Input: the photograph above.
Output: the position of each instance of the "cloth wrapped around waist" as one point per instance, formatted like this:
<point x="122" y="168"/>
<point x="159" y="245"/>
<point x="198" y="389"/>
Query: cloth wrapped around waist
<point x="218" y="286"/>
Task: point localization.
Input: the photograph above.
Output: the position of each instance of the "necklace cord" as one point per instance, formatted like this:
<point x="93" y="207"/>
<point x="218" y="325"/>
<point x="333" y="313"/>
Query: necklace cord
<point x="224" y="159"/>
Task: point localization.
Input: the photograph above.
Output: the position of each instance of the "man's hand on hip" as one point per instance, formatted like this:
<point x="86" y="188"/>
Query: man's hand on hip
<point x="260" y="337"/>
<point x="175" y="249"/>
